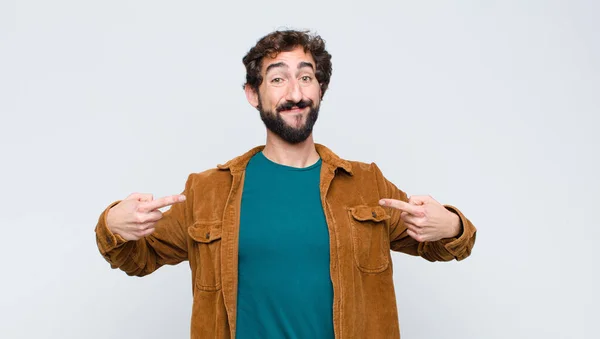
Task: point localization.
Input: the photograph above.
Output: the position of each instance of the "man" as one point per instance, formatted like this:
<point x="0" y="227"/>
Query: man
<point x="287" y="240"/>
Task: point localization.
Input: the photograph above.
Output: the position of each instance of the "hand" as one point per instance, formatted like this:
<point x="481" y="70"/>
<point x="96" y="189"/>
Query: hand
<point x="136" y="216"/>
<point x="425" y="218"/>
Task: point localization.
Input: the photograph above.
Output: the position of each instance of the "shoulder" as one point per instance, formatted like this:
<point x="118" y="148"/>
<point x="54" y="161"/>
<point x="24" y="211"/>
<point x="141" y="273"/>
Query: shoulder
<point x="353" y="167"/>
<point x="213" y="177"/>
<point x="361" y="167"/>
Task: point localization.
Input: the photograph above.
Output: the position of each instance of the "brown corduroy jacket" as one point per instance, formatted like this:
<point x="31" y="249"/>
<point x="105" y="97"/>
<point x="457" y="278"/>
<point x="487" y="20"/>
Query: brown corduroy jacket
<point x="204" y="231"/>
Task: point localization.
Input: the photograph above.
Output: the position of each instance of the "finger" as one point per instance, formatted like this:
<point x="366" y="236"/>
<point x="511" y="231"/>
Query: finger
<point x="147" y="226"/>
<point x="403" y="215"/>
<point x="415" y="229"/>
<point x="148" y="232"/>
<point x="148" y="217"/>
<point x="140" y="197"/>
<point x="422" y="199"/>
<point x="415" y="236"/>
<point x="143" y="216"/>
<point x="145" y="232"/>
<point x="162" y="202"/>
<point x="411" y="219"/>
<point x="146" y="197"/>
<point x="155" y="216"/>
<point x="401" y="205"/>
<point x="417" y="199"/>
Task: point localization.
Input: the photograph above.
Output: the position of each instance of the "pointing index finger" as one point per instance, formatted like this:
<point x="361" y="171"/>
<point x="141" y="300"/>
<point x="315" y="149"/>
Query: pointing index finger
<point x="163" y="202"/>
<point x="401" y="205"/>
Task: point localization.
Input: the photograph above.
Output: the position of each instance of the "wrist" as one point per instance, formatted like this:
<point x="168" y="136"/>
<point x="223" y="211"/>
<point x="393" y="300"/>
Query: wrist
<point x="456" y="225"/>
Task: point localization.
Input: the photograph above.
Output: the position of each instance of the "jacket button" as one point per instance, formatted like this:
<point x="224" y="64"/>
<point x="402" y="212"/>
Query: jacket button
<point x="374" y="214"/>
<point x="208" y="235"/>
<point x="108" y="239"/>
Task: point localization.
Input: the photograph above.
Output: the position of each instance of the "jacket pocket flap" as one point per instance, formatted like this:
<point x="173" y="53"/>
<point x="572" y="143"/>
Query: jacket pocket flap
<point x="372" y="213"/>
<point x="205" y="232"/>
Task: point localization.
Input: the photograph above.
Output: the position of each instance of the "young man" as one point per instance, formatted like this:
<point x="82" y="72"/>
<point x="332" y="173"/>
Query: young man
<point x="287" y="240"/>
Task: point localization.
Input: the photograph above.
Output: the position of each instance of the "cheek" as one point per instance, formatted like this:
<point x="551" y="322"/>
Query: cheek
<point x="274" y="102"/>
<point x="314" y="91"/>
<point x="265" y="101"/>
<point x="315" y="95"/>
<point x="271" y="97"/>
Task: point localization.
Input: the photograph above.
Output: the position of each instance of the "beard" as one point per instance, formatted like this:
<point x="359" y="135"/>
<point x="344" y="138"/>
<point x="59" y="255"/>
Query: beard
<point x="276" y="124"/>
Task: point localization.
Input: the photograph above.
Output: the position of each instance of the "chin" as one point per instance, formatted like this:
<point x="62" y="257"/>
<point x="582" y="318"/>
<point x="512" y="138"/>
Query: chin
<point x="299" y="125"/>
<point x="295" y="120"/>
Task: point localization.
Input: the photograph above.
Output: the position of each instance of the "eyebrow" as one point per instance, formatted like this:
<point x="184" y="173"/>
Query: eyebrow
<point x="303" y="64"/>
<point x="282" y="64"/>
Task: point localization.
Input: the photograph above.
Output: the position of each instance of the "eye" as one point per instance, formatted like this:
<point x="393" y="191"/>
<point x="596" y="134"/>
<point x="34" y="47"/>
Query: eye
<point x="277" y="80"/>
<point x="306" y="78"/>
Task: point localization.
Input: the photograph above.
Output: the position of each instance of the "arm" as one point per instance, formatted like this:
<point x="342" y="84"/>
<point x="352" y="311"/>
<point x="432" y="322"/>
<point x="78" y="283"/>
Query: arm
<point x="166" y="245"/>
<point x="456" y="247"/>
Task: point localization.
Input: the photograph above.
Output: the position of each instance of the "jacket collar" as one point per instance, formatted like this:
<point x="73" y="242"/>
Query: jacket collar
<point x="238" y="164"/>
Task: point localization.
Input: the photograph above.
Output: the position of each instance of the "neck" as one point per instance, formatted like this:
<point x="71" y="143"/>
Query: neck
<point x="299" y="155"/>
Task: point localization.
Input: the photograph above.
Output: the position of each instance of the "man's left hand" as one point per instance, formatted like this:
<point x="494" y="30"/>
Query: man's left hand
<point x="425" y="218"/>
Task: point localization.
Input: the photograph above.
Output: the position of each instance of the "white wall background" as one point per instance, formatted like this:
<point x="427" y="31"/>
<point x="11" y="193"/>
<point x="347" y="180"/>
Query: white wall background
<point x="488" y="105"/>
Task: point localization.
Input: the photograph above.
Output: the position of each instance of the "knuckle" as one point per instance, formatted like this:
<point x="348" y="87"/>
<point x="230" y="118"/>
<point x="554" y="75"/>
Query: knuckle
<point x="139" y="207"/>
<point x="139" y="218"/>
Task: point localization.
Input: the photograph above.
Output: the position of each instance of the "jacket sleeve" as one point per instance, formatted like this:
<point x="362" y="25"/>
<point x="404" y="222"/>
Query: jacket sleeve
<point x="448" y="249"/>
<point x="167" y="245"/>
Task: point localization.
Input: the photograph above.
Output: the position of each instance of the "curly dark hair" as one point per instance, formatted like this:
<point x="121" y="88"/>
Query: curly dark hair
<point x="284" y="41"/>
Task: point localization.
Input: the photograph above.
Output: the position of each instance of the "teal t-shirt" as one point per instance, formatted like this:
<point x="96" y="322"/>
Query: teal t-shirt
<point x="284" y="285"/>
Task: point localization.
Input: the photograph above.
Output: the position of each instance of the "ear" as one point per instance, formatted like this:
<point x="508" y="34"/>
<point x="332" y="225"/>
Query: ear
<point x="251" y="95"/>
<point x="321" y="91"/>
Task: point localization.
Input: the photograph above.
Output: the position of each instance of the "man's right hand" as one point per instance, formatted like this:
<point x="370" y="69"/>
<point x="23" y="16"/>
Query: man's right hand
<point x="136" y="216"/>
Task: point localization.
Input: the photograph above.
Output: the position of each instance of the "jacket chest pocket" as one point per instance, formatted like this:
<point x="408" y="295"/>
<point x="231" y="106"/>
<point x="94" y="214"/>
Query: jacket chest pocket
<point x="207" y="261"/>
<point x="370" y="238"/>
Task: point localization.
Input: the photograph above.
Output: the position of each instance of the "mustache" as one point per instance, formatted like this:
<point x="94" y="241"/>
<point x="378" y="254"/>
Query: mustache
<point x="290" y="104"/>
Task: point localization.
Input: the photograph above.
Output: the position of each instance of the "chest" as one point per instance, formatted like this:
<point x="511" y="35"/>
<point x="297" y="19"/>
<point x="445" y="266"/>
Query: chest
<point x="282" y="218"/>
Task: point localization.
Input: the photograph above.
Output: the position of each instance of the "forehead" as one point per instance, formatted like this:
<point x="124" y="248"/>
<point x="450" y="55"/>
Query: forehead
<point x="291" y="58"/>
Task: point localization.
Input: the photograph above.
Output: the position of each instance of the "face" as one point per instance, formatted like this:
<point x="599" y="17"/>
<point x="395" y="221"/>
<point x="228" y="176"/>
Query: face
<point x="288" y="99"/>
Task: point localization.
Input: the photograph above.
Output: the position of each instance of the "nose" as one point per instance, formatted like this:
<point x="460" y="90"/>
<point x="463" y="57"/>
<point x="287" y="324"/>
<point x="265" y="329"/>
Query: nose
<point x="293" y="91"/>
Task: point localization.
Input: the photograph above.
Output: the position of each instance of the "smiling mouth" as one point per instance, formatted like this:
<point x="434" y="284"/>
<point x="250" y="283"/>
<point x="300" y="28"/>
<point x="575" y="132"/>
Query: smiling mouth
<point x="292" y="110"/>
